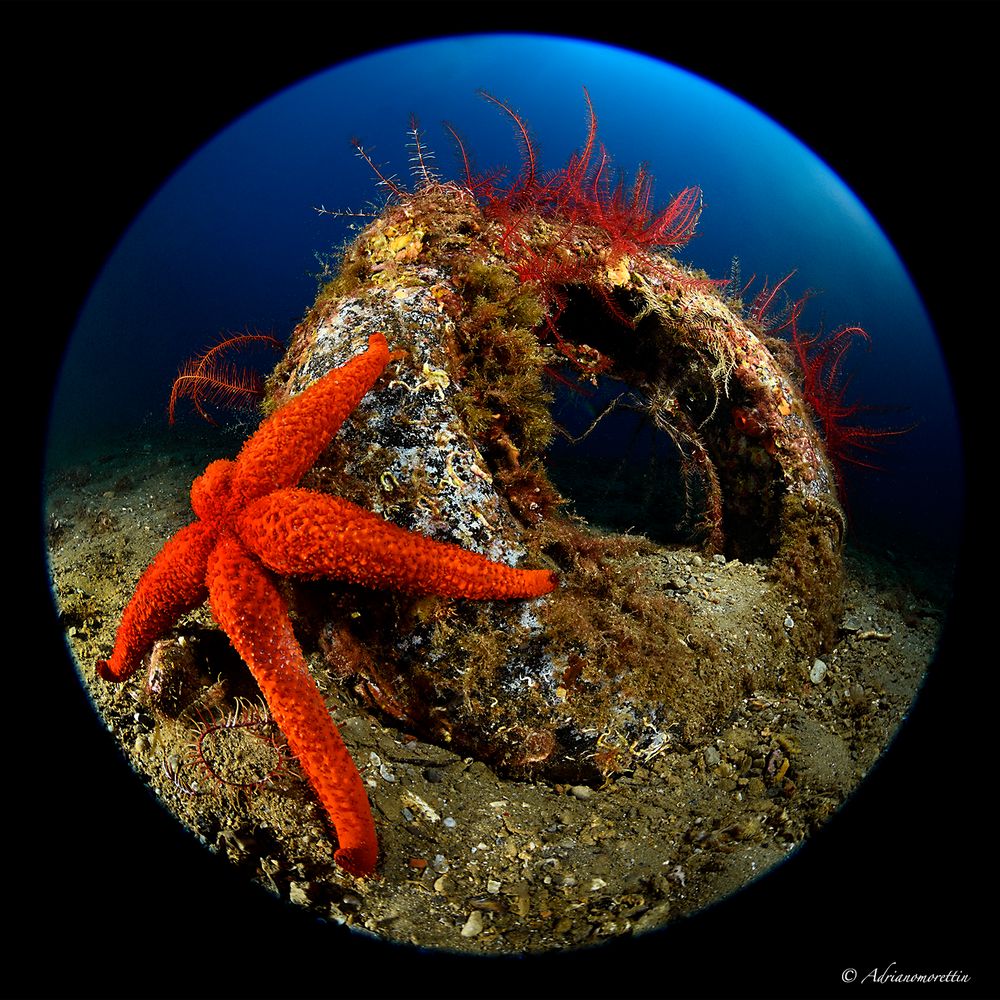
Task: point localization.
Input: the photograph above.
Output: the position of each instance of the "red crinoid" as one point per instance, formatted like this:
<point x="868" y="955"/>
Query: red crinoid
<point x="825" y="385"/>
<point x="242" y="750"/>
<point x="210" y="380"/>
<point x="585" y="194"/>
<point x="587" y="201"/>
<point x="585" y="191"/>
<point x="599" y="224"/>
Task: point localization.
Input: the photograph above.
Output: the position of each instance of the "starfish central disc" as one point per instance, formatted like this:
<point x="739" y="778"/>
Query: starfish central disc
<point x="253" y="522"/>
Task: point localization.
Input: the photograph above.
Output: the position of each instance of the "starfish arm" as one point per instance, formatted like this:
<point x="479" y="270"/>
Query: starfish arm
<point x="250" y="609"/>
<point x="288" y="443"/>
<point x="303" y="533"/>
<point x="173" y="583"/>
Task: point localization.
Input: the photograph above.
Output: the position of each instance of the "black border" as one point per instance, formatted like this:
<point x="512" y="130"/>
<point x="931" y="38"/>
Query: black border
<point x="110" y="99"/>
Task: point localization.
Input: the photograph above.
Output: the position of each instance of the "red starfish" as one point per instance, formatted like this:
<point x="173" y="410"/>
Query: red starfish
<point x="252" y="520"/>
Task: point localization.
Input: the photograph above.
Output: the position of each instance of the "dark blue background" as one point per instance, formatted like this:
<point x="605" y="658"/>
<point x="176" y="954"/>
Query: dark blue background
<point x="231" y="240"/>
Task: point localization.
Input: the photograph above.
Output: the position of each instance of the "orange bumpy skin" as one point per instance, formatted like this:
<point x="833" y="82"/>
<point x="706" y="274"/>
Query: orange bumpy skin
<point x="252" y="523"/>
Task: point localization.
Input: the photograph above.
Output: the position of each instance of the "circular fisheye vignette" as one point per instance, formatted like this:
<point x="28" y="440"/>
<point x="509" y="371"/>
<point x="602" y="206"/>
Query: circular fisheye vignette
<point x="567" y="377"/>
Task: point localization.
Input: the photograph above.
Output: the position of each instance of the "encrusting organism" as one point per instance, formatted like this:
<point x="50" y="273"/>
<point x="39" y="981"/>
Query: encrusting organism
<point x="508" y="287"/>
<point x="253" y="523"/>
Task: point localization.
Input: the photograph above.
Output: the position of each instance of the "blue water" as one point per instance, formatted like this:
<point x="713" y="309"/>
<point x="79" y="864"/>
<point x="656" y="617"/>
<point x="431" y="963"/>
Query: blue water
<point x="230" y="241"/>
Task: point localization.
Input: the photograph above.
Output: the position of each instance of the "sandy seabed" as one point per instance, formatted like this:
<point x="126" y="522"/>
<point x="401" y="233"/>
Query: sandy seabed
<point x="471" y="861"/>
